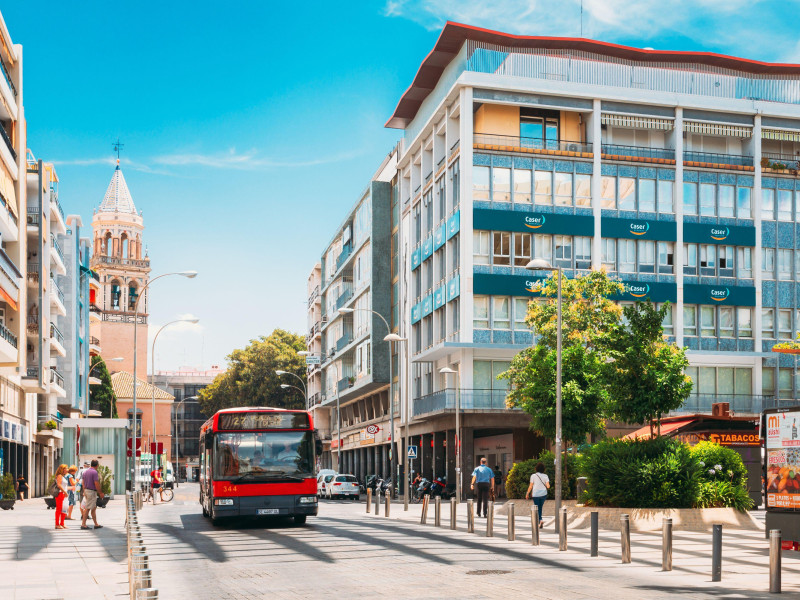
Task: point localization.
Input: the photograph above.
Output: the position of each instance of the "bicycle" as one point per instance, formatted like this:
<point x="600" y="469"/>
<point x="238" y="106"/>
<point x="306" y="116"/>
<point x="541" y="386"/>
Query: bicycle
<point x="165" y="494"/>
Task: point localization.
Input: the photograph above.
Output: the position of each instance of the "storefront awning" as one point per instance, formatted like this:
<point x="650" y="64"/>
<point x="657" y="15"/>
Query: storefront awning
<point x="666" y="429"/>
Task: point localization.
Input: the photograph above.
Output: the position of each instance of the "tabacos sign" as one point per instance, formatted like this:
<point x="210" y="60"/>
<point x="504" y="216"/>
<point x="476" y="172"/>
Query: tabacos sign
<point x="639" y="227"/>
<point x="534" y="221"/>
<point x="719" y="294"/>
<point x="719" y="233"/>
<point x="637" y="290"/>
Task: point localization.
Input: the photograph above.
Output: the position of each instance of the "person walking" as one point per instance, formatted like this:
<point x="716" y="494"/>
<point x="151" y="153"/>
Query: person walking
<point x="537" y="490"/>
<point x="72" y="490"/>
<point x="498" y="481"/>
<point x="61" y="488"/>
<point x="22" y="487"/>
<point x="155" y="482"/>
<point x="483" y="477"/>
<point x="91" y="491"/>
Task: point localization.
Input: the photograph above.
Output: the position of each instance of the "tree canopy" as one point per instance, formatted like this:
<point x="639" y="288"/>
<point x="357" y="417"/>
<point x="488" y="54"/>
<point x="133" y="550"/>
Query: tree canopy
<point x="251" y="378"/>
<point x="101" y="395"/>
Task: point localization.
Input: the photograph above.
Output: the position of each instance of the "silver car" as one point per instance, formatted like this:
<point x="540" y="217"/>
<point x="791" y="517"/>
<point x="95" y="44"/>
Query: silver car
<point x="343" y="486"/>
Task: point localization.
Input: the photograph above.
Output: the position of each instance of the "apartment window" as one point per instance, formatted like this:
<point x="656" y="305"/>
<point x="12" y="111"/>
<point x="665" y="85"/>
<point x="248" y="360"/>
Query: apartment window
<point x="501" y="313"/>
<point x="689" y="320"/>
<point x="441" y="318"/>
<point x="768" y="323"/>
<point x="583" y="252"/>
<point x="725" y="200"/>
<point x="768" y="381"/>
<point x="520" y="313"/>
<point x="441" y="196"/>
<point x="543" y="131"/>
<point x="726" y="322"/>
<point x="647" y="195"/>
<point x="417" y="224"/>
<point x="455" y="246"/>
<point x="690" y="198"/>
<point x="583" y="190"/>
<point x="480" y="247"/>
<point x="455" y="177"/>
<point x="768" y="204"/>
<point x="608" y="192"/>
<point x="501" y="248"/>
<point x="785" y="205"/>
<point x="627" y="193"/>
<point x="708" y="327"/>
<point x="707" y="207"/>
<point x="440" y="264"/>
<point x="522" y="186"/>
<point x="785" y="383"/>
<point x="427" y="274"/>
<point x="609" y="253"/>
<point x="627" y="256"/>
<point x="667" y="324"/>
<point x="744" y="316"/>
<point x="768" y="263"/>
<point x="522" y="249"/>
<point x="784" y="324"/>
<point x="744" y="263"/>
<point x="725" y="258"/>
<point x="708" y="258"/>
<point x="417" y="284"/>
<point x="563" y="251"/>
<point x="666" y="257"/>
<point x="480" y="183"/>
<point x="427" y="201"/>
<point x="543" y="247"/>
<point x="455" y="315"/>
<point x="563" y="186"/>
<point x="665" y="203"/>
<point x="647" y="256"/>
<point x="501" y="184"/>
<point x="784" y="264"/>
<point x="743" y="204"/>
<point x="480" y="312"/>
<point x="543" y="187"/>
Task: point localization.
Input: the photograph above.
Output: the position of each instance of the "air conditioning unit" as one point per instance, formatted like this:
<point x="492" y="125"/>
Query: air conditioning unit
<point x="721" y="409"/>
<point x="573" y="148"/>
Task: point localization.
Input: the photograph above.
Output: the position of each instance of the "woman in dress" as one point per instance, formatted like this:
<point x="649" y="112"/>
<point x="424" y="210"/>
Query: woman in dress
<point x="61" y="486"/>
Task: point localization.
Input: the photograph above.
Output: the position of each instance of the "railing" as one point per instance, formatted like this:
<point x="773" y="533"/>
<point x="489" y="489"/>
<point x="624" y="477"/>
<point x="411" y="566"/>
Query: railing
<point x="7" y="140"/>
<point x="739" y="403"/>
<point x="94" y="308"/>
<point x="42" y="419"/>
<point x="313" y="295"/>
<point x="7" y="335"/>
<point x="58" y="291"/>
<point x="55" y="245"/>
<point x="113" y="260"/>
<point x="638" y="152"/>
<point x="343" y="298"/>
<point x="32" y="371"/>
<point x="33" y="323"/>
<point x="314" y="399"/>
<point x="55" y="333"/>
<point x="343" y="341"/>
<point x="455" y="145"/>
<point x="33" y="215"/>
<point x="440" y="163"/>
<point x="54" y="200"/>
<point x="713" y="158"/>
<point x="9" y="269"/>
<point x="340" y="260"/>
<point x="94" y="341"/>
<point x="11" y="215"/>
<point x="7" y="78"/>
<point x="526" y="144"/>
<point x="779" y="162"/>
<point x="343" y="384"/>
<point x="121" y="317"/>
<point x="56" y="377"/>
<point x="445" y="400"/>
<point x="428" y="178"/>
<point x="34" y="269"/>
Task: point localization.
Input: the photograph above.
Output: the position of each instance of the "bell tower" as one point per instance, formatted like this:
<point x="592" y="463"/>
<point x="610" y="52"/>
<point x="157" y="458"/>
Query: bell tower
<point x="123" y="268"/>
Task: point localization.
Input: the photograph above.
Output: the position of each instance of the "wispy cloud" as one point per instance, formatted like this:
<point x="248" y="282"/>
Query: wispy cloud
<point x="248" y="161"/>
<point x="125" y="162"/>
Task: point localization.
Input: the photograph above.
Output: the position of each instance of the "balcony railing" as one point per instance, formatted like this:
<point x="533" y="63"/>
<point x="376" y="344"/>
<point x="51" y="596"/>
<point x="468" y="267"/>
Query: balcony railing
<point x="33" y="323"/>
<point x="7" y="78"/>
<point x="616" y="151"/>
<point x="739" y="403"/>
<point x="56" y="334"/>
<point x="33" y="215"/>
<point x="131" y="262"/>
<point x="343" y="298"/>
<point x="94" y="341"/>
<point x="9" y="269"/>
<point x="314" y="399"/>
<point x="54" y="243"/>
<point x="7" y="335"/>
<point x="711" y="158"/>
<point x="313" y="295"/>
<point x="780" y="162"/>
<point x="7" y="140"/>
<point x="343" y="341"/>
<point x="490" y="141"/>
<point x="54" y="200"/>
<point x="57" y="378"/>
<point x="445" y="400"/>
<point x="58" y="291"/>
<point x="340" y="260"/>
<point x="32" y="371"/>
<point x="343" y="384"/>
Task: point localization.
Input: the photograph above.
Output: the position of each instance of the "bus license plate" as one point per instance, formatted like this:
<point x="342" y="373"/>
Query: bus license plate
<point x="268" y="511"/>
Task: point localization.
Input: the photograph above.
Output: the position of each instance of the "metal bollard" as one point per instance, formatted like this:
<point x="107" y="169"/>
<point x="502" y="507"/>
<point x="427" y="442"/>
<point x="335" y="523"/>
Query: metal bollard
<point x="535" y="525"/>
<point x="147" y="594"/>
<point x="387" y="503"/>
<point x="369" y="499"/>
<point x="666" y="544"/>
<point x="716" y="553"/>
<point x="625" y="537"/>
<point x="423" y="519"/>
<point x="562" y="529"/>
<point x="143" y="578"/>
<point x="470" y="516"/>
<point x="453" y="505"/>
<point x="775" y="561"/>
<point x="437" y="511"/>
<point x="377" y="502"/>
<point x="512" y="534"/>
<point x="595" y="524"/>
<point x="490" y="519"/>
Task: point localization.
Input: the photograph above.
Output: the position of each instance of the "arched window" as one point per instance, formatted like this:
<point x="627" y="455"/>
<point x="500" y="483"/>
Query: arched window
<point x="116" y="294"/>
<point x="124" y="243"/>
<point x="109" y="245"/>
<point x="133" y="294"/>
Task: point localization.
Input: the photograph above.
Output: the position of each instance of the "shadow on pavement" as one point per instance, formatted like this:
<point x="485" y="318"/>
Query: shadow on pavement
<point x="722" y="594"/>
<point x="32" y="541"/>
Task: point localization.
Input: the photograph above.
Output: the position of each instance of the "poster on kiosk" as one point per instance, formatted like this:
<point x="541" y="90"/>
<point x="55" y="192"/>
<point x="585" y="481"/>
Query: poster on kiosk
<point x="782" y="449"/>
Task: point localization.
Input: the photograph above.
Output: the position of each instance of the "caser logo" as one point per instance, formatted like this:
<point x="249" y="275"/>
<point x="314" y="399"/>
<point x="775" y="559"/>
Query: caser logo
<point x="640" y="228"/>
<point x="638" y="290"/>
<point x="534" y="222"/>
<point x="533" y="286"/>
<point x="719" y="294"/>
<point x="719" y="233"/>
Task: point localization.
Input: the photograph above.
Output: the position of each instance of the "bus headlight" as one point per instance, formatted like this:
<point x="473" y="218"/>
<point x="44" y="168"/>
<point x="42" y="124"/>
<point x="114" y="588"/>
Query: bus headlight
<point x="223" y="501"/>
<point x="308" y="499"/>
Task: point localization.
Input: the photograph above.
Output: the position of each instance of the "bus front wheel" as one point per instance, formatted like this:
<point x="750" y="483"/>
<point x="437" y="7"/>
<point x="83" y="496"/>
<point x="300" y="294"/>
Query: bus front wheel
<point x="299" y="519"/>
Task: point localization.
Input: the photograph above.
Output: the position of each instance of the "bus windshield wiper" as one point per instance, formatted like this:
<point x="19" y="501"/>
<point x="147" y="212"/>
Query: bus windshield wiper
<point x="284" y="476"/>
<point x="245" y="476"/>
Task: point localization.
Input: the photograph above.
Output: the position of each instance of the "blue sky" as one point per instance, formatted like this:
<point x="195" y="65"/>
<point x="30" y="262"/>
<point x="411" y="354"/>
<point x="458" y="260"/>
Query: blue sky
<point x="250" y="128"/>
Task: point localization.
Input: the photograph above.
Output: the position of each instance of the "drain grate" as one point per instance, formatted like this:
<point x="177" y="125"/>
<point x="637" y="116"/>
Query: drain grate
<point x="488" y="572"/>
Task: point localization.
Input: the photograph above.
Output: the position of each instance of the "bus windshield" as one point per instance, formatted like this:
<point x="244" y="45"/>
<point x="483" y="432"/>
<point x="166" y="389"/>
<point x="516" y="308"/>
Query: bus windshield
<point x="260" y="456"/>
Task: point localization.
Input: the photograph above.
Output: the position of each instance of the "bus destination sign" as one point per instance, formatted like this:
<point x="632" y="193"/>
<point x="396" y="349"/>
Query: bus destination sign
<point x="263" y="420"/>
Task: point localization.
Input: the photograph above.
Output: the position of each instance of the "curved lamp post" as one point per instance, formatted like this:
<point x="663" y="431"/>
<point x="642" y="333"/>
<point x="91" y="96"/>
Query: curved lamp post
<point x="300" y="379"/>
<point x="286" y="386"/>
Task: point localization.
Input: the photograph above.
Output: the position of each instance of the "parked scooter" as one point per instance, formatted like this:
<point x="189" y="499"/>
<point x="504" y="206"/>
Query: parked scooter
<point x="423" y="489"/>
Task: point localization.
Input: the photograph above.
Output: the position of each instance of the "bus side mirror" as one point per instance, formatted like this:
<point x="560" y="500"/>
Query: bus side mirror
<point x="317" y="443"/>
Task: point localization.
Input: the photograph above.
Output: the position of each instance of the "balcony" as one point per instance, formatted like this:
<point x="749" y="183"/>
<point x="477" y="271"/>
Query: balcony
<point x="48" y="427"/>
<point x="33" y="216"/>
<point x="8" y="345"/>
<point x="638" y="154"/>
<point x="347" y="250"/>
<point x="314" y="399"/>
<point x="10" y="277"/>
<point x="57" y="383"/>
<point x="711" y="160"/>
<point x="56" y="210"/>
<point x="445" y="401"/>
<point x="343" y="341"/>
<point x="33" y="325"/>
<point x="343" y="298"/>
<point x="510" y="143"/>
<point x="125" y="262"/>
<point x="780" y="163"/>
<point x="8" y="144"/>
<point x="740" y="404"/>
<point x="313" y="296"/>
<point x="95" y="314"/>
<point x="57" y="300"/>
<point x="34" y="269"/>
<point x="344" y="384"/>
<point x="57" y="341"/>
<point x="94" y="346"/>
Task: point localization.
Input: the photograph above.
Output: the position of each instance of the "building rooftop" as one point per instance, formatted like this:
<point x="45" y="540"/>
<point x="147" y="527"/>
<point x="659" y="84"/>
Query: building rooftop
<point x="118" y="196"/>
<point x="122" y="382"/>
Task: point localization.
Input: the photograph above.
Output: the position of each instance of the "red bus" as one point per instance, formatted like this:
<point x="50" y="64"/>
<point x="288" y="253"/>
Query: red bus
<point x="258" y="462"/>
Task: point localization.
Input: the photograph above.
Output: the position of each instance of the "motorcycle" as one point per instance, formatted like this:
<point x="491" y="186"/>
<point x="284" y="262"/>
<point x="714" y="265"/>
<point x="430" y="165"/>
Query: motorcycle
<point x="422" y="489"/>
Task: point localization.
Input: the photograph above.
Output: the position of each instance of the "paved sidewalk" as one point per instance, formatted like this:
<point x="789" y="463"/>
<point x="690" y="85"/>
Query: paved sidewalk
<point x="38" y="562"/>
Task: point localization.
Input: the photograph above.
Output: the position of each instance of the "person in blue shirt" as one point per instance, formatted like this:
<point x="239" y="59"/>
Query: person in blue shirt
<point x="483" y="477"/>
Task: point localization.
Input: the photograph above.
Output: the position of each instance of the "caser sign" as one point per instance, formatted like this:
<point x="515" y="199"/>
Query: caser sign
<point x="637" y="290"/>
<point x="534" y="222"/>
<point x="719" y="294"/>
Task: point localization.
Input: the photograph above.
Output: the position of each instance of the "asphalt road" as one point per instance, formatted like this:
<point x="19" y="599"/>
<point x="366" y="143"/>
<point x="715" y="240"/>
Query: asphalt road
<point x="345" y="553"/>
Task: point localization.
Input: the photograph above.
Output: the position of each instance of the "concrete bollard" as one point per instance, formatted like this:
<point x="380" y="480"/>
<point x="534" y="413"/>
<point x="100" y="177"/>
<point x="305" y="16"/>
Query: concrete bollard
<point x="716" y="553"/>
<point x="143" y="578"/>
<point x="147" y="594"/>
<point x="595" y="526"/>
<point x="387" y="503"/>
<point x="512" y="534"/>
<point x="453" y="505"/>
<point x="775" y="561"/>
<point x="535" y="525"/>
<point x="423" y="519"/>
<point x="369" y="499"/>
<point x="490" y="519"/>
<point x="470" y="516"/>
<point x="666" y="544"/>
<point x="625" y="537"/>
<point x="562" y="530"/>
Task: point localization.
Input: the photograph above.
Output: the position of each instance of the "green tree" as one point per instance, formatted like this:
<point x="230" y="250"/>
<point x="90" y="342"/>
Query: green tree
<point x="101" y="395"/>
<point x="251" y="379"/>
<point x="646" y="374"/>
<point x="589" y="317"/>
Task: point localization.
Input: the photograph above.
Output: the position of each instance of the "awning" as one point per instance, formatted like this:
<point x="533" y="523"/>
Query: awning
<point x="7" y="190"/>
<point x="780" y="134"/>
<point x="635" y="122"/>
<point x="5" y="297"/>
<point x="739" y="131"/>
<point x="666" y="429"/>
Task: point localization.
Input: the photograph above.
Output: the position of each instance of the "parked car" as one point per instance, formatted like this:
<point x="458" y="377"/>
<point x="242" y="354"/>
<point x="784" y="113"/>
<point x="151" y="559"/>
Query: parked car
<point x="343" y="486"/>
<point x="323" y="477"/>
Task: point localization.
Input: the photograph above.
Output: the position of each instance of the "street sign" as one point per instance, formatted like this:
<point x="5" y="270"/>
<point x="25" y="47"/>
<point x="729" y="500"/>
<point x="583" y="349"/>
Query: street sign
<point x="138" y="453"/>
<point x="312" y="360"/>
<point x="412" y="452"/>
<point x="156" y="448"/>
<point x="138" y="443"/>
<point x="373" y="429"/>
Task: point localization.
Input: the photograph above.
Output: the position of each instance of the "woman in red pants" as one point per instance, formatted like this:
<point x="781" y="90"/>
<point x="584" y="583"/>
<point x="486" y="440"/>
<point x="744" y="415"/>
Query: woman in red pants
<point x="61" y="484"/>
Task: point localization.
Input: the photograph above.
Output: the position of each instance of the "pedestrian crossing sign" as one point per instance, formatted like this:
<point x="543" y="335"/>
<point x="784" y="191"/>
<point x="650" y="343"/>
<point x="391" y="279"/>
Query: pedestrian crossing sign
<point x="412" y="452"/>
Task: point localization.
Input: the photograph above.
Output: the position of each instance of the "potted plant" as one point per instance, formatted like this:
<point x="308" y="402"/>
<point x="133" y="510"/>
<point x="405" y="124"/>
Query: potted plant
<point x="105" y="478"/>
<point x="51" y="425"/>
<point x="351" y="381"/>
<point x="764" y="162"/>
<point x="49" y="501"/>
<point x="8" y="493"/>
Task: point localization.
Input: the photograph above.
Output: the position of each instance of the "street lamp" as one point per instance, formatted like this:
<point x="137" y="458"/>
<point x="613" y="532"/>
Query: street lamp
<point x="295" y="375"/>
<point x="539" y="264"/>
<point x="448" y="371"/>
<point x="286" y="386"/>
<point x="177" y="440"/>
<point x="187" y="274"/>
<point x="153" y="375"/>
